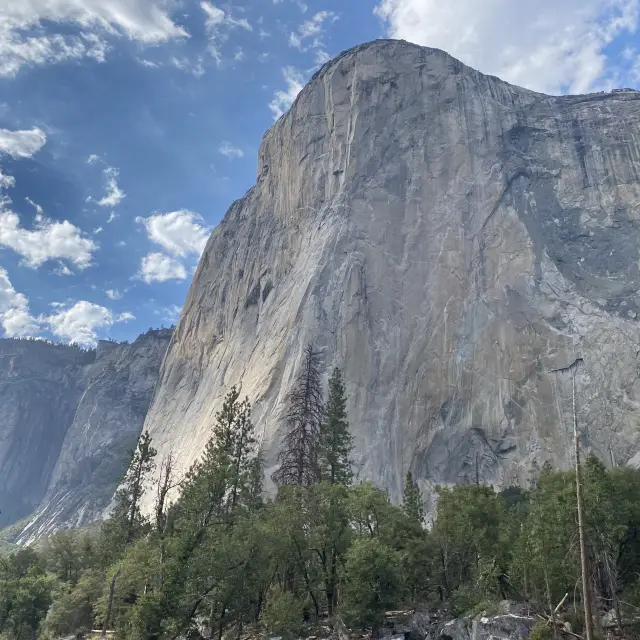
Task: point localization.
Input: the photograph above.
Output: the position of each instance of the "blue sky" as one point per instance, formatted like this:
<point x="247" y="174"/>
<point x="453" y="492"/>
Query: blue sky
<point x="128" y="127"/>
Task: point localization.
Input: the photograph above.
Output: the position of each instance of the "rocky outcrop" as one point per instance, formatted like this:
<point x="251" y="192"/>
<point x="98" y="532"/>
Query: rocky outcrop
<point x="68" y="418"/>
<point x="511" y="621"/>
<point x="462" y="248"/>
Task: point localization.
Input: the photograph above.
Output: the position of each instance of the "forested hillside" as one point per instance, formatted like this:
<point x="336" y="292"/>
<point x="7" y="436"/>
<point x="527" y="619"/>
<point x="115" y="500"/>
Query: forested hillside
<point x="222" y="558"/>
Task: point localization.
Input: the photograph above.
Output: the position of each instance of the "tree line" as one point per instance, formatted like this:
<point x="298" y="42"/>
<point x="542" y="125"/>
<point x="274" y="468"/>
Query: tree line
<point x="222" y="557"/>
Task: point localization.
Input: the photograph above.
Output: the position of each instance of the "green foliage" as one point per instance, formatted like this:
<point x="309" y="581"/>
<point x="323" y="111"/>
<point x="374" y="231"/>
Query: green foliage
<point x="541" y="631"/>
<point x="72" y="608"/>
<point x="336" y="443"/>
<point x="466" y="534"/>
<point x="25" y="593"/>
<point x="126" y="523"/>
<point x="223" y="557"/>
<point x="67" y="553"/>
<point x="372" y="581"/>
<point x="412" y="500"/>
<point x="283" y="613"/>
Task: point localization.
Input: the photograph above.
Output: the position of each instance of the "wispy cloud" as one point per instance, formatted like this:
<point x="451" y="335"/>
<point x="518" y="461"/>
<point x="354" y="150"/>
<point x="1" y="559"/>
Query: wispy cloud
<point x="228" y="150"/>
<point x="283" y="99"/>
<point x="218" y="23"/>
<point x="23" y="143"/>
<point x="6" y="182"/>
<point x="113" y="294"/>
<point x="115" y="195"/>
<point x="311" y="30"/>
<point x="23" y="43"/>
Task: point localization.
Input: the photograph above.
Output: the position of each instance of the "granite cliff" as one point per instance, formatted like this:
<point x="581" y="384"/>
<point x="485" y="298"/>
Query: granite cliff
<point x="460" y="247"/>
<point x="68" y="418"/>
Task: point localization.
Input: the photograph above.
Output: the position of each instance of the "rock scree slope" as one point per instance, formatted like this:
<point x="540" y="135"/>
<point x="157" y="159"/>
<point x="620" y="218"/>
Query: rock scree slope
<point x="460" y="247"/>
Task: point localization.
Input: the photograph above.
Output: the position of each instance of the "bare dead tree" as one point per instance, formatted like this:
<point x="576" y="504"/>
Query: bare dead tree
<point x="107" y="618"/>
<point x="298" y="459"/>
<point x="584" y="570"/>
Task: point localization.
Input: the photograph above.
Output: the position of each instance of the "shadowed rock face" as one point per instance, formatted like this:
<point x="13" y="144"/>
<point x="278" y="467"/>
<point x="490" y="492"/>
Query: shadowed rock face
<point x="460" y="247"/>
<point x="67" y="420"/>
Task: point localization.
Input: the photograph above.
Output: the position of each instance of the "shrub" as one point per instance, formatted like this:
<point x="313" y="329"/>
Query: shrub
<point x="541" y="631"/>
<point x="282" y="614"/>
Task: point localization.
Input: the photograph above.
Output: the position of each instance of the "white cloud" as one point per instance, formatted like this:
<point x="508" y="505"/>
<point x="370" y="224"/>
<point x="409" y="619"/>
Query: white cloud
<point x="16" y="50"/>
<point x="217" y="24"/>
<point x="283" y="99"/>
<point x="148" y="63"/>
<point x="227" y="149"/>
<point x="112" y="216"/>
<point x="214" y="17"/>
<point x="115" y="195"/>
<point x="14" y="310"/>
<point x="114" y="294"/>
<point x="49" y="240"/>
<point x="93" y="158"/>
<point x="21" y="144"/>
<point x="6" y="182"/>
<point x="547" y="46"/>
<point x="180" y="233"/>
<point x="23" y="43"/>
<point x="170" y="314"/>
<point x="63" y="270"/>
<point x="37" y="207"/>
<point x="79" y="323"/>
<point x="311" y="29"/>
<point x="159" y="267"/>
<point x="185" y="64"/>
<point x="322" y="57"/>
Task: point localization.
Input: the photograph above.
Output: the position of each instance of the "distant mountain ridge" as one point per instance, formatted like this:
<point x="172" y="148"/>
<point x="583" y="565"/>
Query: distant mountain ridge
<point x="68" y="416"/>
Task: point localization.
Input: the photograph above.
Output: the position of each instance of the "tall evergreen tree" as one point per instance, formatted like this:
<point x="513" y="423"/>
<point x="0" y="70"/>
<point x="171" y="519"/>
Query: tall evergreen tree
<point x="299" y="462"/>
<point x="127" y="523"/>
<point x="201" y="576"/>
<point x="254" y="490"/>
<point x="412" y="499"/>
<point x="336" y="442"/>
<point x="215" y="485"/>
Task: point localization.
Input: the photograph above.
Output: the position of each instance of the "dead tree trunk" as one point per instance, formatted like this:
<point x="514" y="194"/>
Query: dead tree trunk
<point x="586" y="594"/>
<point x="107" y="618"/>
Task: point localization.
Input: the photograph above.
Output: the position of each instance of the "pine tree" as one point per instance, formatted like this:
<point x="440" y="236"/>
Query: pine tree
<point x="216" y="496"/>
<point x="336" y="442"/>
<point x="127" y="522"/>
<point x="412" y="499"/>
<point x="215" y="485"/>
<point x="254" y="498"/>
<point x="299" y="457"/>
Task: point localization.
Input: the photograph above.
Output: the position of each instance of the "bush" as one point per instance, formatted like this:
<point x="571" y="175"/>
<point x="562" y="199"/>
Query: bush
<point x="282" y="614"/>
<point x="541" y="631"/>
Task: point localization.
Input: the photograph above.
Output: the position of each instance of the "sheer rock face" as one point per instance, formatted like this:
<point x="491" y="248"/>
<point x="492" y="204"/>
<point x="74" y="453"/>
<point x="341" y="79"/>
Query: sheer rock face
<point x="460" y="247"/>
<point x="67" y="419"/>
